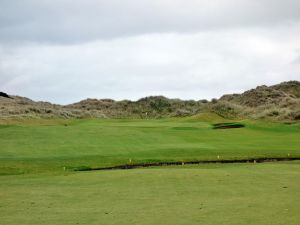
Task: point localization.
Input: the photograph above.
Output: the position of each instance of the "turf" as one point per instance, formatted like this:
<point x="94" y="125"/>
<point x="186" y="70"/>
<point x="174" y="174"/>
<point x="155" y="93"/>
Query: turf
<point x="41" y="146"/>
<point x="37" y="185"/>
<point x="236" y="194"/>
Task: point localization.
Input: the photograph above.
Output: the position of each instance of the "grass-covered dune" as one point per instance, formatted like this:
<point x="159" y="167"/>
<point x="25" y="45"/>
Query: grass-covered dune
<point x="54" y="145"/>
<point x="275" y="103"/>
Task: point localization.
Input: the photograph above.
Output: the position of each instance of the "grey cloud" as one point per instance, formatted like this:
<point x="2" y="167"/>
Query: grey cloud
<point x="64" y="51"/>
<point x="200" y="65"/>
<point x="77" y="21"/>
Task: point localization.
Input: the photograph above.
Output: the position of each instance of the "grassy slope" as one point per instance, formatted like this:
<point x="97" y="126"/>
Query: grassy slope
<point x="51" y="145"/>
<point x="235" y="194"/>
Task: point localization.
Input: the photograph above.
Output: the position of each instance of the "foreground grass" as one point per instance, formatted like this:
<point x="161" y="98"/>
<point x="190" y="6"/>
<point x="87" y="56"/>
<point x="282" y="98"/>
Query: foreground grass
<point x="35" y="189"/>
<point x="236" y="194"/>
<point x="42" y="146"/>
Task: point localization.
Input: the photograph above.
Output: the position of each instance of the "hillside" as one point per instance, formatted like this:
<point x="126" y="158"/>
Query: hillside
<point x="280" y="102"/>
<point x="277" y="102"/>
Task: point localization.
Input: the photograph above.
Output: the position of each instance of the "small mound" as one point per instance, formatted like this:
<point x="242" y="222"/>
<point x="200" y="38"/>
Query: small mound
<point x="227" y="125"/>
<point x="205" y="117"/>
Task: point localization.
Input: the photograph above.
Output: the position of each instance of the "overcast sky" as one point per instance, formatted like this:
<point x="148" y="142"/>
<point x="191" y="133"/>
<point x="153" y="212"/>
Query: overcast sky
<point x="67" y="50"/>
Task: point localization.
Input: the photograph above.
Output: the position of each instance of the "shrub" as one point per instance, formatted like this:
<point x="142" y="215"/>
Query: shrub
<point x="214" y="100"/>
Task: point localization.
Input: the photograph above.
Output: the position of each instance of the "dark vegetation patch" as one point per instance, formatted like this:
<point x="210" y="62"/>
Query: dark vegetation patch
<point x="2" y="94"/>
<point x="289" y="123"/>
<point x="10" y="171"/>
<point x="227" y="125"/>
<point x="77" y="168"/>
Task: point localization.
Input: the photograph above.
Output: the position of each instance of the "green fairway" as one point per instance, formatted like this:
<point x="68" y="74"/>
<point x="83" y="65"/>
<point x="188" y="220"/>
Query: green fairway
<point x="39" y="146"/>
<point x="231" y="194"/>
<point x="38" y="184"/>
